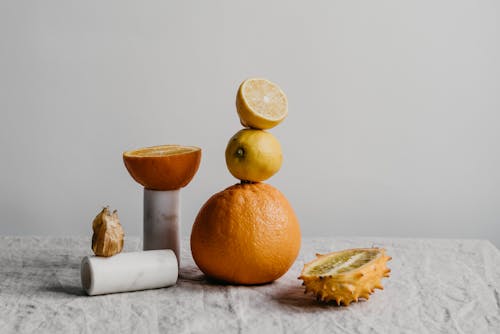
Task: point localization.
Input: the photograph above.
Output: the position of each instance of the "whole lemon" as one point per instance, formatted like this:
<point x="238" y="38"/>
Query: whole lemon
<point x="253" y="155"/>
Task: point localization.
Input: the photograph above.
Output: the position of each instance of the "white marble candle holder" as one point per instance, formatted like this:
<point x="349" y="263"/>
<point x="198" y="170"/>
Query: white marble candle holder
<point x="161" y="220"/>
<point x="129" y="272"/>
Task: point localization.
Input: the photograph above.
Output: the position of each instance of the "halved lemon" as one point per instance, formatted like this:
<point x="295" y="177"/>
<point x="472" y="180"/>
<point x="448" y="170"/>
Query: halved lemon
<point x="261" y="104"/>
<point x="347" y="275"/>
<point x="165" y="167"/>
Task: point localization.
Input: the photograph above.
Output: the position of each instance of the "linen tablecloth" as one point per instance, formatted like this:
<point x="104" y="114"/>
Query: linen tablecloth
<point x="436" y="286"/>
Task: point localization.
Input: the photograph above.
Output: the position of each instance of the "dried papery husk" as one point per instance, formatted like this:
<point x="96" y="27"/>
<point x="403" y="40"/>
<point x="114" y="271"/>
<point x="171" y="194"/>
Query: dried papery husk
<point x="350" y="282"/>
<point x="107" y="239"/>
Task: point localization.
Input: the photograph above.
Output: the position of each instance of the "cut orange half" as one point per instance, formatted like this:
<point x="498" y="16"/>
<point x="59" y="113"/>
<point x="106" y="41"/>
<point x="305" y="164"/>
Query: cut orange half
<point x="165" y="167"/>
<point x="261" y="104"/>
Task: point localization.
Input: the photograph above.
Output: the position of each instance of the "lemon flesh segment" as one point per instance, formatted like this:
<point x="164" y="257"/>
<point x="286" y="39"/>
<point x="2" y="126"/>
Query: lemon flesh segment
<point x="261" y="104"/>
<point x="347" y="275"/>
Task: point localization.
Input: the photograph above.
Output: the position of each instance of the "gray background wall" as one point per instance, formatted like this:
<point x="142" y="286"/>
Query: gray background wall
<point x="394" y="116"/>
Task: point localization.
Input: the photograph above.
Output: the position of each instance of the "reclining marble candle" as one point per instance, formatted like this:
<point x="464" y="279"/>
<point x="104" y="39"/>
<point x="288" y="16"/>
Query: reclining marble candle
<point x="129" y="272"/>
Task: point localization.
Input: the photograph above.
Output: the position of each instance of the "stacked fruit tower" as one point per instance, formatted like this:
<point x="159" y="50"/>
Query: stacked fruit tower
<point x="249" y="233"/>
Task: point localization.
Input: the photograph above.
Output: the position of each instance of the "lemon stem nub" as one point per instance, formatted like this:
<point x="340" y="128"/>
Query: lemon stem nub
<point x="240" y="152"/>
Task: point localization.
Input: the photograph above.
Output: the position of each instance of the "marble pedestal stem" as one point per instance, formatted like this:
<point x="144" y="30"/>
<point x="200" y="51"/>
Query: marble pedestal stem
<point x="161" y="220"/>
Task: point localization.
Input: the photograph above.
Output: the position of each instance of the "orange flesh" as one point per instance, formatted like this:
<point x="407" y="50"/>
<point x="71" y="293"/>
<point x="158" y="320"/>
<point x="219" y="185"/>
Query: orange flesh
<point x="161" y="151"/>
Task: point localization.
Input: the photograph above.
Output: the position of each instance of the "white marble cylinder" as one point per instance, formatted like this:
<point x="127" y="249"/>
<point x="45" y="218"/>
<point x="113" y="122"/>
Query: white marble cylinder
<point x="161" y="220"/>
<point x="129" y="272"/>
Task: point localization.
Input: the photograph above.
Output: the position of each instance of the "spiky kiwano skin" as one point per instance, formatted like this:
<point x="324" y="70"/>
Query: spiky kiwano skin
<point x="347" y="275"/>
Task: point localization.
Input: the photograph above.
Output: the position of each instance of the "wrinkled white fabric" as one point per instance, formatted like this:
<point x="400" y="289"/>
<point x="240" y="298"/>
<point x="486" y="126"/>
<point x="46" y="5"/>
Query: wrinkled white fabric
<point x="436" y="286"/>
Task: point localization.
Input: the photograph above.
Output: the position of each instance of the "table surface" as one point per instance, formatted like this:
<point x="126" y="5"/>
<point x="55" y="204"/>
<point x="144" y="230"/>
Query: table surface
<point x="436" y="286"/>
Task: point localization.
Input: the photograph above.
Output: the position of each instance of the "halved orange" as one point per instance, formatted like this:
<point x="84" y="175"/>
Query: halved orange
<point x="165" y="167"/>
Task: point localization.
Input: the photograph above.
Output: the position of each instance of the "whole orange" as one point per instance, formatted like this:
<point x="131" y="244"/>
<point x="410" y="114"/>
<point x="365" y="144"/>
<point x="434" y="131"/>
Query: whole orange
<point x="246" y="234"/>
